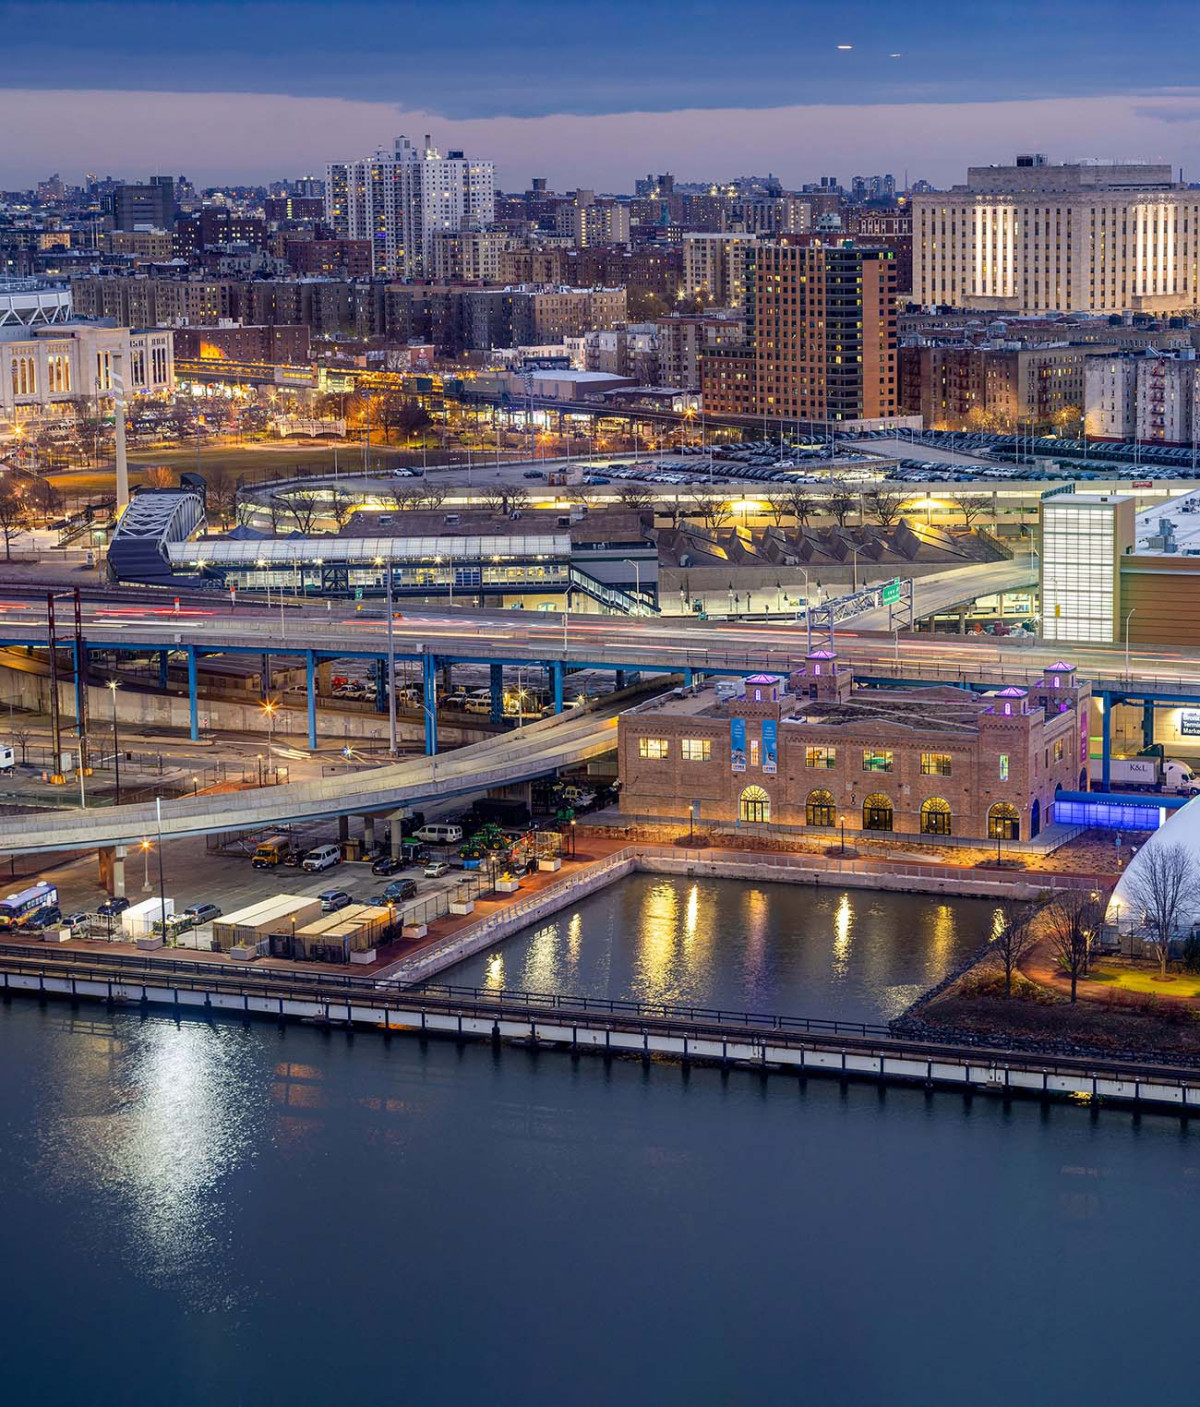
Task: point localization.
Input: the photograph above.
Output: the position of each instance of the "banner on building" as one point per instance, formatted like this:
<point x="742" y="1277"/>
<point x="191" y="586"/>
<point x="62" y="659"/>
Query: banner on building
<point x="737" y="744"/>
<point x="770" y="750"/>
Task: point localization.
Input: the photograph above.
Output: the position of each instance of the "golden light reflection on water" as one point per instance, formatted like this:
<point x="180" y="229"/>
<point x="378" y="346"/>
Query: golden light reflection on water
<point x="942" y="934"/>
<point x="493" y="974"/>
<point x="575" y="938"/>
<point x="843" y="932"/>
<point x="691" y="911"/>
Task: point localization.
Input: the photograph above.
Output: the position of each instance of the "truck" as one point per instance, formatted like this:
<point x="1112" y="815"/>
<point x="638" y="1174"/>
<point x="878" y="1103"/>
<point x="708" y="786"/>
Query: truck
<point x="1150" y="773"/>
<point x="8" y="759"/>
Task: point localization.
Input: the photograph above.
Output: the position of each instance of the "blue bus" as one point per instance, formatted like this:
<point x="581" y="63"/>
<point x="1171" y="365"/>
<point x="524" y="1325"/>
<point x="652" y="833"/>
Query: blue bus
<point x="16" y="908"/>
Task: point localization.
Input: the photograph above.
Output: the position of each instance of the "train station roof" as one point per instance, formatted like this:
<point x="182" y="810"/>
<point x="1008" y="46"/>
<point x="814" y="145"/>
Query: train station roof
<point x="321" y="551"/>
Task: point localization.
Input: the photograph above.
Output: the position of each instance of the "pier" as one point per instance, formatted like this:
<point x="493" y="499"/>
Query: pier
<point x="630" y="1029"/>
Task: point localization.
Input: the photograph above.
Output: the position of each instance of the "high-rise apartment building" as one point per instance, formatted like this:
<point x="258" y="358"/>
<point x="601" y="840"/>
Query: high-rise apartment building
<point x="1035" y="237"/>
<point x="401" y="199"/>
<point x="714" y="268"/>
<point x="1150" y="397"/>
<point x="820" y="337"/>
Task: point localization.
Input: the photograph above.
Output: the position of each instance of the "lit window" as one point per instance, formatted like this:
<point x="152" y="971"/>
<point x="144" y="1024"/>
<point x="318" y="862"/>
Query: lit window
<point x="877" y="761"/>
<point x="1059" y="749"/>
<point x="935" y="764"/>
<point x="1004" y="767"/>
<point x="696" y="749"/>
<point x="655" y="748"/>
<point x="820" y="757"/>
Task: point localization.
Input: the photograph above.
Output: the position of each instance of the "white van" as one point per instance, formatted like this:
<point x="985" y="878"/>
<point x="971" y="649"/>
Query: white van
<point x="440" y="834"/>
<point x="324" y="857"/>
<point x="478" y="701"/>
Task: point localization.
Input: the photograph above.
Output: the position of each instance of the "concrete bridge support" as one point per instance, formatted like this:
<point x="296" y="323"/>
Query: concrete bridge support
<point x="496" y="681"/>
<point x="368" y="833"/>
<point x="193" y="716"/>
<point x="112" y="869"/>
<point x="310" y="661"/>
<point x="556" y="684"/>
<point x="429" y="666"/>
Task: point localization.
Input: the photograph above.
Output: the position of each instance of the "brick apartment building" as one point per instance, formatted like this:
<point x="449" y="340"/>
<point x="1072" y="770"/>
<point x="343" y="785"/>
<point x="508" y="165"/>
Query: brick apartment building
<point x="815" y="753"/>
<point x="820" y="337"/>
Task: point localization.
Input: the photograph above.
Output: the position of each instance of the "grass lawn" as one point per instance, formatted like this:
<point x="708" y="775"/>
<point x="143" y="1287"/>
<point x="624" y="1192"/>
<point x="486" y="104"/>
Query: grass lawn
<point x="1145" y="981"/>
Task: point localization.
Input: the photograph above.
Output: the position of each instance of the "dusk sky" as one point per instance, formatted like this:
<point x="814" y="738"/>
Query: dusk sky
<point x="596" y="93"/>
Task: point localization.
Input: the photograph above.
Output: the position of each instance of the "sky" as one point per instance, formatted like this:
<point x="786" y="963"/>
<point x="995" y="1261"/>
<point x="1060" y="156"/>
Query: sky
<point x="594" y="92"/>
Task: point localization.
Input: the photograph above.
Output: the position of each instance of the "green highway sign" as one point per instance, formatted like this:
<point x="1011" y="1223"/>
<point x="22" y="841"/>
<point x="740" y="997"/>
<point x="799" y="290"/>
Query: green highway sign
<point x="891" y="593"/>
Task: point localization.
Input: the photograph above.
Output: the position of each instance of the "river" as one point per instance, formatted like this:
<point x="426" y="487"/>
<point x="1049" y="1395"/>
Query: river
<point x="245" y="1213"/>
<point x="850" y="954"/>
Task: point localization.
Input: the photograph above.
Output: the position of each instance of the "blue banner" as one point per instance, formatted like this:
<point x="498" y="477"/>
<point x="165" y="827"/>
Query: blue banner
<point x="737" y="744"/>
<point x="769" y="745"/>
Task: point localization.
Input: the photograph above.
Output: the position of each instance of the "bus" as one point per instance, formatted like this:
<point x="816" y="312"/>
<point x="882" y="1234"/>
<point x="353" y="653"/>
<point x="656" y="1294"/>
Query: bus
<point x="16" y="908"/>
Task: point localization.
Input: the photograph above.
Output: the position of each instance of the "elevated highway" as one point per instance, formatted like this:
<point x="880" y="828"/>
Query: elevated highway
<point x="536" y="751"/>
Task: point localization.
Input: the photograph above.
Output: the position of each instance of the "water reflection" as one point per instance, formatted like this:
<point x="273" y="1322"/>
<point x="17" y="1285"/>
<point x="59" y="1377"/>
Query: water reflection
<point x="160" y="1118"/>
<point x="856" y="954"/>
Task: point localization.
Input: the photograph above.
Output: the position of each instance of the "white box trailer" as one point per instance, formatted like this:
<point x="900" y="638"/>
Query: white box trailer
<point x="139" y="919"/>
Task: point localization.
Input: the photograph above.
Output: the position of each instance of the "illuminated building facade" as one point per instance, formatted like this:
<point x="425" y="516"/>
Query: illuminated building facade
<point x="813" y="753"/>
<point x="399" y="201"/>
<point x="1036" y="237"/>
<point x="1084" y="537"/>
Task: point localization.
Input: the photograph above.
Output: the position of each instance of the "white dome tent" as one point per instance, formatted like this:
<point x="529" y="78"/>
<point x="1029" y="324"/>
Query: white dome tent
<point x="1183" y="829"/>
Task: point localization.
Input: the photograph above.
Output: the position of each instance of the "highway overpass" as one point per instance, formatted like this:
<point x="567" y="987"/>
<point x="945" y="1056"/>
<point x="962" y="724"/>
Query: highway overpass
<point x="536" y="751"/>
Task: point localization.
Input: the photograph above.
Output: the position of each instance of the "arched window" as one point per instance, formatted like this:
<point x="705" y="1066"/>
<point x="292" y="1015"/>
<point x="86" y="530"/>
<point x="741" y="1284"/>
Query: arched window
<point x="819" y="809"/>
<point x="754" y="805"/>
<point x="1083" y="780"/>
<point x="1035" y="818"/>
<point x="1004" y="822"/>
<point x="877" y="812"/>
<point x="935" y="816"/>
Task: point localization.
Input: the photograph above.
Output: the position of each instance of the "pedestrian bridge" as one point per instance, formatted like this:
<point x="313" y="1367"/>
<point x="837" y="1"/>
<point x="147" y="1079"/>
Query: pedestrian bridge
<point x="536" y="751"/>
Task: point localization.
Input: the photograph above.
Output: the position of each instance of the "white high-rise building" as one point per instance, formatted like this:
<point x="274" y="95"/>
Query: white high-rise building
<point x="400" y="200"/>
<point x="1036" y="237"/>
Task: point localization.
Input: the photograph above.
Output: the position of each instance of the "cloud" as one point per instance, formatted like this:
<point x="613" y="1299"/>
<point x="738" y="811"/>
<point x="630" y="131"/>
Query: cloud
<point x="243" y="137"/>
<point x="1180" y="114"/>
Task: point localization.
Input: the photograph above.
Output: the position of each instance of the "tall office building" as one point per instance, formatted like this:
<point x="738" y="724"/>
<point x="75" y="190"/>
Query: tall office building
<point x="1035" y="237"/>
<point x="401" y="199"/>
<point x="128" y="206"/>
<point x="820" y="337"/>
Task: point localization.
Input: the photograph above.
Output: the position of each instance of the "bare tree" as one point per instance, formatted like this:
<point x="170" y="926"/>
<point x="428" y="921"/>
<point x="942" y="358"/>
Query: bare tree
<point x="220" y="492"/>
<point x="45" y="498"/>
<point x="341" y="505"/>
<point x="885" y="506"/>
<point x="636" y="497"/>
<point x="1016" y="933"/>
<point x="799" y="503"/>
<point x="971" y="506"/>
<point x="158" y="476"/>
<point x="840" y="504"/>
<point x="712" y="512"/>
<point x="1072" y="920"/>
<point x="432" y="495"/>
<point x="303" y="507"/>
<point x="406" y="497"/>
<point x="12" y="515"/>
<point x="504" y="499"/>
<point x="777" y="509"/>
<point x="23" y="737"/>
<point x="1163" y="886"/>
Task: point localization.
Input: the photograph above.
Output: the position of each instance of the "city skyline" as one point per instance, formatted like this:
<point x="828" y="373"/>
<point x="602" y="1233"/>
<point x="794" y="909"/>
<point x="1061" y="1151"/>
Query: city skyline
<point x="869" y="86"/>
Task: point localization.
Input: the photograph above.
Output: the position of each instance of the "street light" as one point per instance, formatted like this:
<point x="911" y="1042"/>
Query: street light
<point x="146" y="859"/>
<point x="268" y="707"/>
<point x="842" y="821"/>
<point x="637" y="576"/>
<point x="112" y="689"/>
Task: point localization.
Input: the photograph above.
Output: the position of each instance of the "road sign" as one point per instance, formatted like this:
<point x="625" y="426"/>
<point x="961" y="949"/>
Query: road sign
<point x="358" y="593"/>
<point x="891" y="592"/>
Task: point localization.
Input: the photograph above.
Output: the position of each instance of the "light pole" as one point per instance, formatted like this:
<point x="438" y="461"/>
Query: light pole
<point x="1128" y="617"/>
<point x="162" y="889"/>
<point x="637" y="576"/>
<point x="146" y="865"/>
<point x="842" y="822"/>
<point x="112" y="689"/>
<point x="269" y="707"/>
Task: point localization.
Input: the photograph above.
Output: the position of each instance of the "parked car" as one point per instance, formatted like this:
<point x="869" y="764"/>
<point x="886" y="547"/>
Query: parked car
<point x="333" y="899"/>
<point x="387" y="865"/>
<point x="400" y="889"/>
<point x="74" y="922"/>
<point x="533" y="474"/>
<point x="322" y="857"/>
<point x="112" y="907"/>
<point x="435" y="869"/>
<point x="202" y="913"/>
<point x="45" y="917"/>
